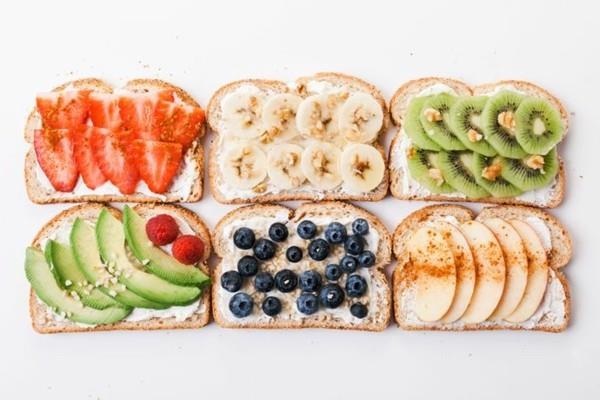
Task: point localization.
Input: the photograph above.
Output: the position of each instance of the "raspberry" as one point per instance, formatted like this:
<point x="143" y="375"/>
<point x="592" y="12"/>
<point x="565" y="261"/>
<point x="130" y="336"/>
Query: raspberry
<point x="188" y="249"/>
<point x="162" y="229"/>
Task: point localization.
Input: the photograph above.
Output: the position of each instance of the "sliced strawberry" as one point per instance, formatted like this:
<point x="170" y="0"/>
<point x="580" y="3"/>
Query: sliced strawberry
<point x="113" y="154"/>
<point x="137" y="110"/>
<point x="63" y="110"/>
<point x="54" y="152"/>
<point x="158" y="162"/>
<point x="178" y="123"/>
<point x="104" y="110"/>
<point x="84" y="157"/>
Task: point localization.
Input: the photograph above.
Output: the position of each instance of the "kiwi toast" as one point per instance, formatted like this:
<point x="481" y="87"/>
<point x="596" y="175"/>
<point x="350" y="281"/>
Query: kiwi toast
<point x="492" y="143"/>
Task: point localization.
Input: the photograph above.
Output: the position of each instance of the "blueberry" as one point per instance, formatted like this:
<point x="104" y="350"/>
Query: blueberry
<point x="241" y="305"/>
<point x="310" y="281"/>
<point x="348" y="264"/>
<point x="366" y="259"/>
<point x="356" y="286"/>
<point x="360" y="226"/>
<point x="264" y="249"/>
<point x="318" y="249"/>
<point x="331" y="295"/>
<point x="359" y="310"/>
<point x="335" y="233"/>
<point x="354" y="245"/>
<point x="271" y="306"/>
<point x="307" y="303"/>
<point x="293" y="254"/>
<point x="307" y="229"/>
<point x="247" y="266"/>
<point x="278" y="232"/>
<point x="243" y="238"/>
<point x="286" y="280"/>
<point x="264" y="282"/>
<point x="333" y="272"/>
<point x="231" y="281"/>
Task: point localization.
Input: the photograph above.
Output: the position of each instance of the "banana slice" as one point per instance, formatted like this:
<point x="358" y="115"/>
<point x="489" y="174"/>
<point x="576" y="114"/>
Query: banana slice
<point x="283" y="166"/>
<point x="321" y="165"/>
<point x="279" y="117"/>
<point x="242" y="115"/>
<point x="362" y="167"/>
<point x="360" y="118"/>
<point x="317" y="115"/>
<point x="244" y="166"/>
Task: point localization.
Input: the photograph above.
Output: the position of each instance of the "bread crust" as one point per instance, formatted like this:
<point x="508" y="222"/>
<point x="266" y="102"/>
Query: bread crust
<point x="38" y="310"/>
<point x="38" y="194"/>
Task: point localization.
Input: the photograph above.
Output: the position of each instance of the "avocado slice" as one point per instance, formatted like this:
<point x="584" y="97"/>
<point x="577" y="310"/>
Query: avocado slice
<point x="156" y="260"/>
<point x="87" y="257"/>
<point x="46" y="287"/>
<point x="70" y="277"/>
<point x="110" y="237"/>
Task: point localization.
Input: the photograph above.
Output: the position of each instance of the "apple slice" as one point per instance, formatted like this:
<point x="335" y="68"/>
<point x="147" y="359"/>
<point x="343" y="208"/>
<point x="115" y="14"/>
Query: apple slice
<point x="537" y="276"/>
<point x="465" y="270"/>
<point x="515" y="259"/>
<point x="491" y="272"/>
<point x="433" y="263"/>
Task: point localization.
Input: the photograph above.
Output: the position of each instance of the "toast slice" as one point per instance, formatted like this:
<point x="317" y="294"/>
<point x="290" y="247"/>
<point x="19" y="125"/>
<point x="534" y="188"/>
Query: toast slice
<point x="403" y="187"/>
<point x="264" y="193"/>
<point x="187" y="186"/>
<point x="259" y="218"/>
<point x="553" y="313"/>
<point x="195" y="315"/>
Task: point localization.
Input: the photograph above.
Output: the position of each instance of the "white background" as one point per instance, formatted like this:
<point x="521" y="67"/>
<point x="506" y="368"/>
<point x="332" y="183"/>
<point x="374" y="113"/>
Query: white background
<point x="200" y="47"/>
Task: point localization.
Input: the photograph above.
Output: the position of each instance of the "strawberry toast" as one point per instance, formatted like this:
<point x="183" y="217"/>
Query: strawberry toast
<point x="91" y="142"/>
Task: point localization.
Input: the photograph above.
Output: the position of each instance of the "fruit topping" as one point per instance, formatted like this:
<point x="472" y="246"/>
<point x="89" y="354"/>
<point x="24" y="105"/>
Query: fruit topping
<point x="231" y="281"/>
<point x="318" y="249"/>
<point x="157" y="162"/>
<point x="310" y="281"/>
<point x="104" y="110"/>
<point x="113" y="154"/>
<point x="162" y="229"/>
<point x="331" y="295"/>
<point x="333" y="272"/>
<point x="247" y="266"/>
<point x="241" y="305"/>
<point x="348" y="264"/>
<point x="264" y="249"/>
<point x="356" y="286"/>
<point x="307" y="229"/>
<point x="293" y="254"/>
<point x="360" y="226"/>
<point x="63" y="110"/>
<point x="354" y="244"/>
<point x="286" y="280"/>
<point x="243" y="238"/>
<point x="55" y="155"/>
<point x="137" y="111"/>
<point x="278" y="232"/>
<point x="271" y="306"/>
<point x="366" y="259"/>
<point x="335" y="233"/>
<point x="264" y="282"/>
<point x="307" y="303"/>
<point x="176" y="123"/>
<point x="359" y="310"/>
<point x="84" y="157"/>
<point x="188" y="249"/>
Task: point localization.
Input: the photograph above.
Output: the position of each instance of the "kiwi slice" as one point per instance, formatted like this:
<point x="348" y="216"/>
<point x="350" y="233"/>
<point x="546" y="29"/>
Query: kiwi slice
<point x="532" y="172"/>
<point x="456" y="167"/>
<point x="488" y="174"/>
<point x="413" y="127"/>
<point x="435" y="118"/>
<point x="498" y="123"/>
<point x="539" y="127"/>
<point x="423" y="168"/>
<point x="465" y="122"/>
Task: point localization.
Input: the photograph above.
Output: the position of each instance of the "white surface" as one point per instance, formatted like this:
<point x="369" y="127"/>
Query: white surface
<point x="552" y="43"/>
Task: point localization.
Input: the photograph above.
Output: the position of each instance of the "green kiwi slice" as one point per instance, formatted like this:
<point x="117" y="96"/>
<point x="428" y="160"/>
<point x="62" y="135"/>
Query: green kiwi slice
<point x="465" y="122"/>
<point x="539" y="127"/>
<point x="488" y="174"/>
<point x="456" y="167"/>
<point x="499" y="124"/>
<point x="435" y="118"/>
<point x="423" y="168"/>
<point x="532" y="172"/>
<point x="413" y="127"/>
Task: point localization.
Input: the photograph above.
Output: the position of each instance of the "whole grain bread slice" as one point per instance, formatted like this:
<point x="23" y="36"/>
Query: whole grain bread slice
<point x="398" y="106"/>
<point x="41" y="316"/>
<point x="42" y="193"/>
<point x="221" y="239"/>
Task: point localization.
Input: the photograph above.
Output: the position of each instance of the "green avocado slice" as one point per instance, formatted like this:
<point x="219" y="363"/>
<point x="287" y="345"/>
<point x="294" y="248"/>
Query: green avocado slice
<point x="46" y="288"/>
<point x="156" y="260"/>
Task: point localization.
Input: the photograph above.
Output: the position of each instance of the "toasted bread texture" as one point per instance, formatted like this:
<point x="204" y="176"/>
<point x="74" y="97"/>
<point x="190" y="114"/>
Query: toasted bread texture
<point x="41" y="192"/>
<point x="379" y="298"/>
<point x="300" y="87"/>
<point x="557" y="295"/>
<point x="398" y="106"/>
<point x="42" y="318"/>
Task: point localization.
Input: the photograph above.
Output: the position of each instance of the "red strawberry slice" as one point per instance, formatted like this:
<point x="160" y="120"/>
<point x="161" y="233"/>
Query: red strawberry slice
<point x="63" y="110"/>
<point x="104" y="110"/>
<point x="158" y="162"/>
<point x="84" y="158"/>
<point x="178" y="123"/>
<point x="54" y="153"/>
<point x="137" y="109"/>
<point x="113" y="154"/>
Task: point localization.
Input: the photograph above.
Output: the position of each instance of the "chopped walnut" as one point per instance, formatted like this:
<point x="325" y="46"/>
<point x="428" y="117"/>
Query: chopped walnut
<point x="535" y="162"/>
<point x="260" y="188"/>
<point x="506" y="119"/>
<point x="251" y="113"/>
<point x="269" y="135"/>
<point x="474" y="136"/>
<point x="436" y="175"/>
<point x="242" y="165"/>
<point x="432" y="115"/>
<point x="320" y="163"/>
<point x="492" y="172"/>
<point x="359" y="167"/>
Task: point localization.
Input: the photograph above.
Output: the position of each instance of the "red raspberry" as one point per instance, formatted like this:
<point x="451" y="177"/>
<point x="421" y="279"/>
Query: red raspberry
<point x="188" y="249"/>
<point x="162" y="229"/>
